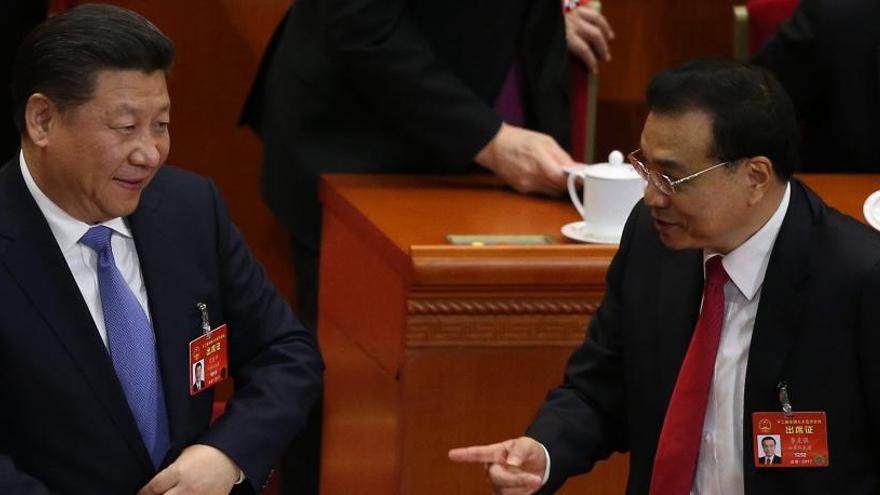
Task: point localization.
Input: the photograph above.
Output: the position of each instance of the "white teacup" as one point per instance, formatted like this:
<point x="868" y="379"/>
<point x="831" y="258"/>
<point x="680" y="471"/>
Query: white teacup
<point x="610" y="191"/>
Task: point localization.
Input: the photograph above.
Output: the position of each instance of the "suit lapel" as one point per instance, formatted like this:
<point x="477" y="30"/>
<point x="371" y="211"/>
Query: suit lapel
<point x="681" y="288"/>
<point x="176" y="321"/>
<point x="779" y="313"/>
<point x="30" y="253"/>
<point x="779" y="317"/>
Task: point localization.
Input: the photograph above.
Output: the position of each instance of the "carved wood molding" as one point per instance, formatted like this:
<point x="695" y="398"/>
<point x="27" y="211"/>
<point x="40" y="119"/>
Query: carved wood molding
<point x="496" y="331"/>
<point x="500" y="307"/>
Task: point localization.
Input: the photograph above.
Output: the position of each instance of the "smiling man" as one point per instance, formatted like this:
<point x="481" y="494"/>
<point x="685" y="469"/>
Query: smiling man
<point x="118" y="276"/>
<point x="737" y="298"/>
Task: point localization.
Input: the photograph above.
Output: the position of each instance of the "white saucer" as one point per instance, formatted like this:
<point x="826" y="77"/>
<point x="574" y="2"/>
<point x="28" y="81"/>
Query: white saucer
<point x="578" y="231"/>
<point x="871" y="210"/>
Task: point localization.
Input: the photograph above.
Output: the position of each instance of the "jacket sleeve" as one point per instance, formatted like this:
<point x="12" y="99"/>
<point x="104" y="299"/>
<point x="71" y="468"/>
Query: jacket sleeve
<point x="274" y="361"/>
<point x="14" y="481"/>
<point x="399" y="74"/>
<point x="584" y="420"/>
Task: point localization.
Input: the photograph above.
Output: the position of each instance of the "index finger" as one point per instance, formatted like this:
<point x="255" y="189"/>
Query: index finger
<point x="593" y="16"/>
<point x="161" y="483"/>
<point x="480" y="453"/>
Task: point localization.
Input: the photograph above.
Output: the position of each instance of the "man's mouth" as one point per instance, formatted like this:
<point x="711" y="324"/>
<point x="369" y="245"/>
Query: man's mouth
<point x="131" y="183"/>
<point x="663" y="225"/>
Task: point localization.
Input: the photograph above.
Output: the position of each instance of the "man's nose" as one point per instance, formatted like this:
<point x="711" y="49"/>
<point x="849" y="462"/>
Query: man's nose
<point x="655" y="198"/>
<point x="148" y="152"/>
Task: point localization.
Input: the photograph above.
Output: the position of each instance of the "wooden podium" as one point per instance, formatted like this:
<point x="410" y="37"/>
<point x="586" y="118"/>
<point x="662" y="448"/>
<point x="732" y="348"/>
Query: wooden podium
<point x="431" y="346"/>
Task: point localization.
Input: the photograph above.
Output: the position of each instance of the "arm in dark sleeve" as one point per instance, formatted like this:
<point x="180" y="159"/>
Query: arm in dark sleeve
<point x="395" y="69"/>
<point x="584" y="420"/>
<point x="14" y="481"/>
<point x="791" y="55"/>
<point x="274" y="360"/>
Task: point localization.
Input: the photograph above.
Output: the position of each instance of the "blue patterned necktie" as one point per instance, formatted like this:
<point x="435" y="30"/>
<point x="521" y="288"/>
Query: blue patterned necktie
<point x="132" y="347"/>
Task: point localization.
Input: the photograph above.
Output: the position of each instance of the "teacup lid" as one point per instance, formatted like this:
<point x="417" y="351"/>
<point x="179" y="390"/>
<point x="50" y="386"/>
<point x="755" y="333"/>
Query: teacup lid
<point x="615" y="168"/>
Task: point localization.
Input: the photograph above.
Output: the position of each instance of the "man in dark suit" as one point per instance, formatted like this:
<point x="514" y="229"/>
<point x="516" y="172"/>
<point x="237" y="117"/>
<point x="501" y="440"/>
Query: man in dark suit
<point x="788" y="310"/>
<point x="768" y="445"/>
<point x="112" y="265"/>
<point x="827" y="56"/>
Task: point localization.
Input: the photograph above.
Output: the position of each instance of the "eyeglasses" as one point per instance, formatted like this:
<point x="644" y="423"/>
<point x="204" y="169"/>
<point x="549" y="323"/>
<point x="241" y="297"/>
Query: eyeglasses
<point x="662" y="181"/>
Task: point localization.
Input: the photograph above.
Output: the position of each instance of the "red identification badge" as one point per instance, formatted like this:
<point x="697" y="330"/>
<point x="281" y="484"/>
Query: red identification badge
<point x="208" y="360"/>
<point x="796" y="439"/>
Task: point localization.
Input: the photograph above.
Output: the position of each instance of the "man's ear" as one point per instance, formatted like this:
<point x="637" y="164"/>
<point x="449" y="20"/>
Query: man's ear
<point x="40" y="114"/>
<point x="759" y="177"/>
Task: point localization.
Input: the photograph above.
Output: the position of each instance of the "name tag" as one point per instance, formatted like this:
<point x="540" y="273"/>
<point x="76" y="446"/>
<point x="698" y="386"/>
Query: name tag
<point x="794" y="440"/>
<point x="208" y="360"/>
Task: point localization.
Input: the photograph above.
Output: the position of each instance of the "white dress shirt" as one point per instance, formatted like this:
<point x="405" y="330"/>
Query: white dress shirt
<point x="83" y="262"/>
<point x="719" y="465"/>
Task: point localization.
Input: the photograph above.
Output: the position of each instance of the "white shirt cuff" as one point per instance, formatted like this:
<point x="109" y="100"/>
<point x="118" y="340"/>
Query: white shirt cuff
<point x="546" y="469"/>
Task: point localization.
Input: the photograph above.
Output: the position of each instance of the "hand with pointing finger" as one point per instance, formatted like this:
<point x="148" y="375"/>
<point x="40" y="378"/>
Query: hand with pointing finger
<point x="514" y="467"/>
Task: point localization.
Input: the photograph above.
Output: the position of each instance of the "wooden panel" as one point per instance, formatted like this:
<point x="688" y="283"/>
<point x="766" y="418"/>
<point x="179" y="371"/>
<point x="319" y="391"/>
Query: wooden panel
<point x="454" y="397"/>
<point x="361" y="319"/>
<point x="361" y="294"/>
<point x="361" y="451"/>
<point x="652" y="35"/>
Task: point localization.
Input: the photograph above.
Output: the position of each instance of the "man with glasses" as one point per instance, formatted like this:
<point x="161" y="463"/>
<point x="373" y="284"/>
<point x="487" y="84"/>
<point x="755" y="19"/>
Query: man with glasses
<point x="736" y="291"/>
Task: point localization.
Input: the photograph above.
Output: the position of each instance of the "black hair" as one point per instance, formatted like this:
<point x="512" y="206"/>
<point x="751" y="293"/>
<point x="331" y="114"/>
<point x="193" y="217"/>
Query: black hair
<point x="751" y="113"/>
<point x="61" y="58"/>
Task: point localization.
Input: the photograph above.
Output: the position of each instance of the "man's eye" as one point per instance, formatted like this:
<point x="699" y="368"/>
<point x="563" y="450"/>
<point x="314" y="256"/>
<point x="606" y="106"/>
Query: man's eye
<point x="125" y="129"/>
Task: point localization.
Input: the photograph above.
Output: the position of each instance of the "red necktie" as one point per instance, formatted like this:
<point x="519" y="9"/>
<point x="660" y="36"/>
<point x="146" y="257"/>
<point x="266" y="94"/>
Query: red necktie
<point x="679" y="444"/>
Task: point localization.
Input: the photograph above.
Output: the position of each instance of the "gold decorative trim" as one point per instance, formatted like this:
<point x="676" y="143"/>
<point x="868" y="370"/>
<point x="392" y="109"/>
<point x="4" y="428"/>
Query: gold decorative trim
<point x="446" y="307"/>
<point x="496" y="331"/>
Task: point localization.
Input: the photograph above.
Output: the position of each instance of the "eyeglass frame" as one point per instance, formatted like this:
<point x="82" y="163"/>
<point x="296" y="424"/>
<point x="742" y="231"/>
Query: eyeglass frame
<point x="662" y="181"/>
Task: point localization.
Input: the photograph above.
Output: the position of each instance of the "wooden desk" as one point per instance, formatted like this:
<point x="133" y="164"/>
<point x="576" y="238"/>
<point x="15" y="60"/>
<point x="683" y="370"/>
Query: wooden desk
<point x="430" y="346"/>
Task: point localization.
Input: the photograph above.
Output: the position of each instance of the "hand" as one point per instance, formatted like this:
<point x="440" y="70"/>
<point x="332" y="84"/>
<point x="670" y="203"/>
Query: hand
<point x="514" y="467"/>
<point x="528" y="161"/>
<point x="587" y="33"/>
<point x="200" y="470"/>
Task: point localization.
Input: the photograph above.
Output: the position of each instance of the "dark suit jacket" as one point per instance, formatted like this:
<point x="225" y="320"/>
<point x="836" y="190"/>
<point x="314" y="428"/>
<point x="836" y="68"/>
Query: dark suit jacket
<point x="775" y="460"/>
<point x="827" y="57"/>
<point x="396" y="87"/>
<point x="65" y="425"/>
<point x="817" y="328"/>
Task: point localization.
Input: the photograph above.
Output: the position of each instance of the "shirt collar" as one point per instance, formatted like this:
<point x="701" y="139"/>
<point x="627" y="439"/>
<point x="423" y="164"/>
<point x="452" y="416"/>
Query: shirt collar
<point x="747" y="264"/>
<point x="66" y="229"/>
